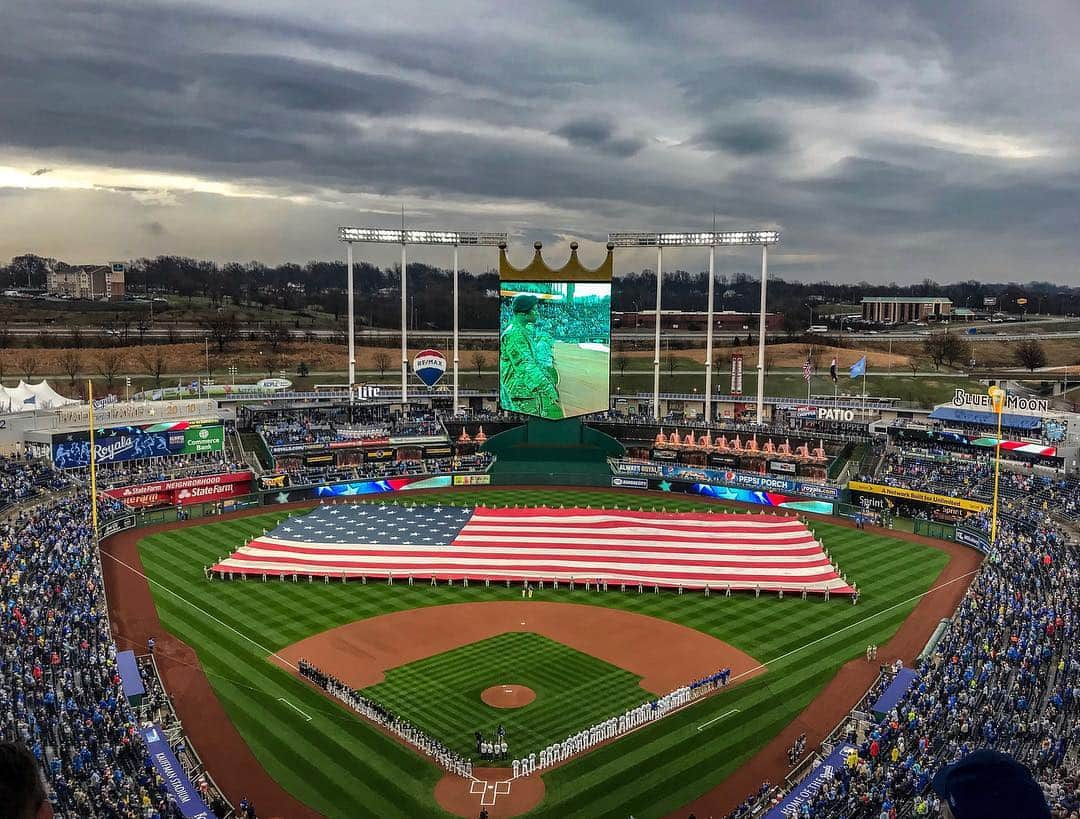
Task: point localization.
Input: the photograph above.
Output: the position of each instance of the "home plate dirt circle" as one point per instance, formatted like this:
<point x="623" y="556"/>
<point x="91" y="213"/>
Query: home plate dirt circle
<point x="508" y="696"/>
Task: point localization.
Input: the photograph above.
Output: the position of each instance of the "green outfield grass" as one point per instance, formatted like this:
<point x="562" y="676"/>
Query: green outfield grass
<point x="343" y="768"/>
<point x="441" y="694"/>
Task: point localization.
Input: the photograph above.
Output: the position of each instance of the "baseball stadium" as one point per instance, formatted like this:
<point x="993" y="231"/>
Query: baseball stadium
<point x="545" y="598"/>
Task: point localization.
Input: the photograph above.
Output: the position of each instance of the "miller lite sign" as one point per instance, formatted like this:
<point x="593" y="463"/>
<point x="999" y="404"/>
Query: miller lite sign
<point x="429" y="366"/>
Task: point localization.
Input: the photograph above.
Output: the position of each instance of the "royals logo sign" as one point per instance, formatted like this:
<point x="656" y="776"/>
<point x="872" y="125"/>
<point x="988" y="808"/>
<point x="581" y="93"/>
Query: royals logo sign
<point x="429" y="366"/>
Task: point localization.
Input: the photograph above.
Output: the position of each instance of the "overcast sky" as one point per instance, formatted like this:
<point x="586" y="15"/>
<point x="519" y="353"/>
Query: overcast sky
<point x="886" y="140"/>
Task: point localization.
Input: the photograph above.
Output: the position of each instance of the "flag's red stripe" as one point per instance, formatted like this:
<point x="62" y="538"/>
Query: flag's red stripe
<point x="412" y="557"/>
<point x="550" y="568"/>
<point x="486" y="549"/>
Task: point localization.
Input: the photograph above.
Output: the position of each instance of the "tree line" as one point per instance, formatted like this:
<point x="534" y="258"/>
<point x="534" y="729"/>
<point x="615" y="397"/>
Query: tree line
<point x="321" y="285"/>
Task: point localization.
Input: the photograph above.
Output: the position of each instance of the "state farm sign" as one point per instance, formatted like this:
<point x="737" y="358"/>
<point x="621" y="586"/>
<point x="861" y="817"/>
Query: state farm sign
<point x="183" y="491"/>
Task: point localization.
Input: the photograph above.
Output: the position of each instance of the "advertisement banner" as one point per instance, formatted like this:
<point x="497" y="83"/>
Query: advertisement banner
<point x="349" y="488"/>
<point x="787" y="467"/>
<point x="664" y="455"/>
<point x="758" y="498"/>
<point x="131" y="443"/>
<point x="630" y="483"/>
<point x="736" y="373"/>
<point x="168" y="767"/>
<point x="719" y="459"/>
<point x="791" y="805"/>
<point x="273" y="481"/>
<point x="554" y="347"/>
<point x="438" y="451"/>
<point x="917" y="495"/>
<point x="636" y="468"/>
<point x="379" y="455"/>
<point x="973" y="537"/>
<point x="482" y="479"/>
<point x="742" y="480"/>
<point x="183" y="491"/>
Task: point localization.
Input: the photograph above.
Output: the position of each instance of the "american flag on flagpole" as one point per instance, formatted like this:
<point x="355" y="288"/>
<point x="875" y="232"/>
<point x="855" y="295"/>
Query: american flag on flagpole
<point x="807" y="370"/>
<point x="692" y="550"/>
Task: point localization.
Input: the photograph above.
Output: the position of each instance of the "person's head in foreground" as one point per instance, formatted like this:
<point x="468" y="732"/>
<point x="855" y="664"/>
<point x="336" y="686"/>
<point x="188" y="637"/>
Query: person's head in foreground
<point x="22" y="791"/>
<point x="989" y="785"/>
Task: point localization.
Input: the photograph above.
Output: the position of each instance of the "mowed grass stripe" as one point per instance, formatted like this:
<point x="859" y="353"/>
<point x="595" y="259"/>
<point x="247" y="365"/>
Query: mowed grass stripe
<point x="324" y="758"/>
<point x="608" y="781"/>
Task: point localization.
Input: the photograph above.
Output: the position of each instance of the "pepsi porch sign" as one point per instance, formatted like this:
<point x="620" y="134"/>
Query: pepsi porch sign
<point x="429" y="366"/>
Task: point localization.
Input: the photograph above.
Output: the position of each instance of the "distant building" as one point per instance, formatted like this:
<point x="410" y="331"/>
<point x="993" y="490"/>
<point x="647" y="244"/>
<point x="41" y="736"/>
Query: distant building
<point x="725" y="321"/>
<point x="905" y="309"/>
<point x="87" y="281"/>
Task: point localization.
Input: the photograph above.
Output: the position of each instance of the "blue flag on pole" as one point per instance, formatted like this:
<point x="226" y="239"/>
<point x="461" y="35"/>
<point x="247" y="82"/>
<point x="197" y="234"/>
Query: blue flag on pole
<point x="858" y="368"/>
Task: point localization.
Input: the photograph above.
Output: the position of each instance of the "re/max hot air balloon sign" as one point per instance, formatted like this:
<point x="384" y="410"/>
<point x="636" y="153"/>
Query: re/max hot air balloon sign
<point x="429" y="366"/>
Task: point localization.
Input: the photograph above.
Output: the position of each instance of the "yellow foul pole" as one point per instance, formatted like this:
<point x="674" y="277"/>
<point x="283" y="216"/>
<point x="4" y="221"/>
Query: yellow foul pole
<point x="93" y="459"/>
<point x="997" y="401"/>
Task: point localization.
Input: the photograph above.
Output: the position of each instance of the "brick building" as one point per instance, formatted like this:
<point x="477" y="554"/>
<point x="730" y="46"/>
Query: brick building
<point x="905" y="309"/>
<point x="87" y="281"/>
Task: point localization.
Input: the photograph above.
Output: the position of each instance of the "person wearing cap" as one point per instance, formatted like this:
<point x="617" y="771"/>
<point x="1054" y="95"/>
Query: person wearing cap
<point x="527" y="384"/>
<point x="988" y="784"/>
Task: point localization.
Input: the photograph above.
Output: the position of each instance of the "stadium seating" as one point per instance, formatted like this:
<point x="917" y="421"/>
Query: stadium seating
<point x="1005" y="675"/>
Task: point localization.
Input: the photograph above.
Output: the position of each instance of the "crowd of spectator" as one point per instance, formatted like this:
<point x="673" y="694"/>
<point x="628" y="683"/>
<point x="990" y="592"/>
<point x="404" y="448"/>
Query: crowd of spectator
<point x="60" y="692"/>
<point x="301" y="475"/>
<point x="148" y="470"/>
<point x="1021" y="490"/>
<point x="1005" y="675"/>
<point x="23" y="478"/>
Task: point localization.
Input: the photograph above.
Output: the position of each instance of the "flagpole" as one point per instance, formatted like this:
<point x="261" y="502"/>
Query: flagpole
<point x="809" y="373"/>
<point x="865" y="365"/>
<point x="93" y="459"/>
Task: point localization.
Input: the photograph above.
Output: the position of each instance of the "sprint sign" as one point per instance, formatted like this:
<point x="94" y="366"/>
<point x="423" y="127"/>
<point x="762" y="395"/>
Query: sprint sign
<point x="429" y="366"/>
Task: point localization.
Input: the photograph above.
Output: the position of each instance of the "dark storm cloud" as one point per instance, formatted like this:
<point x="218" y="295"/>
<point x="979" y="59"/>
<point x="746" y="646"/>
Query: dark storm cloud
<point x="733" y="82"/>
<point x="853" y="128"/>
<point x="41" y="171"/>
<point x="744" y="138"/>
<point x="599" y="135"/>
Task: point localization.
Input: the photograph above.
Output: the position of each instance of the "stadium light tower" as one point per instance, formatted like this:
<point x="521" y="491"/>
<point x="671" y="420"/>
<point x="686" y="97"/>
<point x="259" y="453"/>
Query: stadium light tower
<point x="710" y="239"/>
<point x="454" y="238"/>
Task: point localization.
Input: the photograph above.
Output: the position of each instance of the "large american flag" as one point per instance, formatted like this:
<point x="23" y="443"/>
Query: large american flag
<point x="693" y="550"/>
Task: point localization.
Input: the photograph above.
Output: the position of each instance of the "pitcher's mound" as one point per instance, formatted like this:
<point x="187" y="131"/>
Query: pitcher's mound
<point x="508" y="696"/>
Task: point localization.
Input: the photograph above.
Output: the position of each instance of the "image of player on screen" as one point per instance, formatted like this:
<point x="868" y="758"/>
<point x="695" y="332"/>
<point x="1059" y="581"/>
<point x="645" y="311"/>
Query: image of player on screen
<point x="529" y="381"/>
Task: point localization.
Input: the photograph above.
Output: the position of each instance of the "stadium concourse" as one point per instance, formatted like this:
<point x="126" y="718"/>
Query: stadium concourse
<point x="1004" y="673"/>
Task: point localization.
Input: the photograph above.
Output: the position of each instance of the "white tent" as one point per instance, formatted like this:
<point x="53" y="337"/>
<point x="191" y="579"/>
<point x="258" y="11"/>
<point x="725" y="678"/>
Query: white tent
<point x="30" y="397"/>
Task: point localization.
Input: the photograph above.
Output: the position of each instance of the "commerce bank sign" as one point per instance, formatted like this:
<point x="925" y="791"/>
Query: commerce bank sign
<point x="1013" y="403"/>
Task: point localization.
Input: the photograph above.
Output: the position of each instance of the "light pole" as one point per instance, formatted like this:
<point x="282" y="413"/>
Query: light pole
<point x="710" y="239"/>
<point x="403" y="237"/>
<point x="997" y="401"/>
<point x="232" y="373"/>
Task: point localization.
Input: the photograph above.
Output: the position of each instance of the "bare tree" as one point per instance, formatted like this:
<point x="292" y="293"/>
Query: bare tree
<point x="671" y="364"/>
<point x="769" y="362"/>
<point x="26" y="365"/>
<point x="110" y="362"/>
<point x="381" y="360"/>
<point x="154" y="361"/>
<point x="5" y="335"/>
<point x="479" y="360"/>
<point x="71" y="363"/>
<point x="914" y="364"/>
<point x="277" y="334"/>
<point x="622" y="361"/>
<point x="1030" y="353"/>
<point x="222" y="329"/>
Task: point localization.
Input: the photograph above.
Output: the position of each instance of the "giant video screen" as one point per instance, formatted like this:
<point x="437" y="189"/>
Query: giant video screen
<point x="554" y="347"/>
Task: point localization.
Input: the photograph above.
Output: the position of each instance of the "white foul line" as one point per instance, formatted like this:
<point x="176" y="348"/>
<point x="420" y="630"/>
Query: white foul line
<point x="294" y="708"/>
<point x="717" y="719"/>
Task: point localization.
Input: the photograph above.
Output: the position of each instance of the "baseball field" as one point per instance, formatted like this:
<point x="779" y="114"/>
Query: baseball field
<point x="340" y="766"/>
